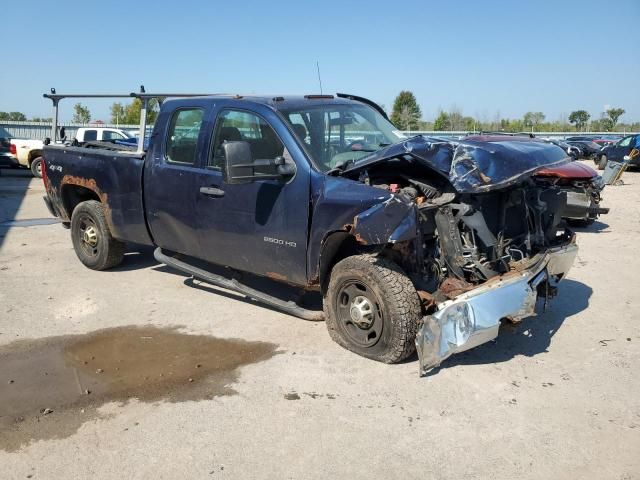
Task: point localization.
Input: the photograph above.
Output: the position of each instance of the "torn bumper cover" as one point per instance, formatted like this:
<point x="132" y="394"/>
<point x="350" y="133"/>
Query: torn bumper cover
<point x="473" y="318"/>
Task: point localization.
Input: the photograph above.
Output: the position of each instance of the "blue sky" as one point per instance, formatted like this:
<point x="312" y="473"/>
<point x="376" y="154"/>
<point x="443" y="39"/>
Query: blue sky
<point x="483" y="57"/>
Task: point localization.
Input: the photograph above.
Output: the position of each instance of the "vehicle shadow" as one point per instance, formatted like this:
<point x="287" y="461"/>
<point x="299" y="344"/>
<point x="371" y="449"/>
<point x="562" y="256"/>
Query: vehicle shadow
<point x="142" y="257"/>
<point x="530" y="337"/>
<point x="595" y="227"/>
<point x="205" y="287"/>
<point x="136" y="257"/>
<point x="14" y="186"/>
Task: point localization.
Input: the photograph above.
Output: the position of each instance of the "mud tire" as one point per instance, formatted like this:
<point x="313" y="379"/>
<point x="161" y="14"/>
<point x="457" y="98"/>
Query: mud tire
<point x="36" y="167"/>
<point x="394" y="297"/>
<point x="602" y="163"/>
<point x="107" y="251"/>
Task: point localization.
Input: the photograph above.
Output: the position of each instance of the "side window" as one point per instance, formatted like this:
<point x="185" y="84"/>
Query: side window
<point x="299" y="126"/>
<point x="109" y="135"/>
<point x="182" y="138"/>
<point x="90" y="135"/>
<point x="235" y="125"/>
<point x="625" y="142"/>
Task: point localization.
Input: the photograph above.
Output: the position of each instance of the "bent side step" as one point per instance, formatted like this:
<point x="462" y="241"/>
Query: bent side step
<point x="232" y="284"/>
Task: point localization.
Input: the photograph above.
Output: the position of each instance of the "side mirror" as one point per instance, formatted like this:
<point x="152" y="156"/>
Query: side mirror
<point x="238" y="162"/>
<point x="240" y="167"/>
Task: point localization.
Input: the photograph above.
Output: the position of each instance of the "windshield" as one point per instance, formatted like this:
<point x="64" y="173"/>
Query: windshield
<point x="335" y="133"/>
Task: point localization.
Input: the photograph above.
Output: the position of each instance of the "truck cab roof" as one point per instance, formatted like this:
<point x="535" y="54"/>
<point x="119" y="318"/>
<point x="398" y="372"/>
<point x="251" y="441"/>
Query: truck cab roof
<point x="279" y="102"/>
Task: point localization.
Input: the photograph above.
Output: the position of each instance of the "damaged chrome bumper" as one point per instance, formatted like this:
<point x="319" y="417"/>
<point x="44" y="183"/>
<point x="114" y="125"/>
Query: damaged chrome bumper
<point x="473" y="318"/>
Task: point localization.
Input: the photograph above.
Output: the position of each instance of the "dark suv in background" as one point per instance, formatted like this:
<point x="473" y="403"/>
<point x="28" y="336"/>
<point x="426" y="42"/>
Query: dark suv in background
<point x="589" y="148"/>
<point x="617" y="151"/>
<point x="7" y="155"/>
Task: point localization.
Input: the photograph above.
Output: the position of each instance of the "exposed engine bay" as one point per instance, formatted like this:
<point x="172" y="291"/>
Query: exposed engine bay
<point x="467" y="238"/>
<point x="474" y="237"/>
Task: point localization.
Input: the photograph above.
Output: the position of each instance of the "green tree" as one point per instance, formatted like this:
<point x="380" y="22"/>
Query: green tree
<point x="469" y="123"/>
<point x="130" y="114"/>
<point x="579" y="118"/>
<point x="41" y="119"/>
<point x="442" y="122"/>
<point x="81" y="114"/>
<point x="456" y="120"/>
<point x="613" y="114"/>
<point x="13" y="116"/>
<point x="533" y="119"/>
<point x="406" y="112"/>
<point x="117" y="113"/>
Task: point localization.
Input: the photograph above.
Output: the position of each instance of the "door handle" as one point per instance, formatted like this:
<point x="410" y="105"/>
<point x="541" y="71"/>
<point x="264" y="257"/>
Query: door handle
<point x="212" y="192"/>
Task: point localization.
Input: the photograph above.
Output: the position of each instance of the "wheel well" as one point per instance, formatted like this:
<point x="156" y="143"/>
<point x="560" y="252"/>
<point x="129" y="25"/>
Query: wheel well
<point x="338" y="245"/>
<point x="33" y="155"/>
<point x="72" y="195"/>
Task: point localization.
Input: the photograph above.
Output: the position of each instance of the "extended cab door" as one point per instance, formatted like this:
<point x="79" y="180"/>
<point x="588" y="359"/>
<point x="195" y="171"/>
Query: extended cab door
<point x="171" y="177"/>
<point x="261" y="226"/>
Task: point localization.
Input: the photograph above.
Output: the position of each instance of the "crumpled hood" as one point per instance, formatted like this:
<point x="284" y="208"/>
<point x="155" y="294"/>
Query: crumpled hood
<point x="475" y="163"/>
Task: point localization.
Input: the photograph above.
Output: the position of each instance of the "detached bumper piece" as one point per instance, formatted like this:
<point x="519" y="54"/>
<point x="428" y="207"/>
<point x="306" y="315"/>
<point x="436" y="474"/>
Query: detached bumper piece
<point x="474" y="317"/>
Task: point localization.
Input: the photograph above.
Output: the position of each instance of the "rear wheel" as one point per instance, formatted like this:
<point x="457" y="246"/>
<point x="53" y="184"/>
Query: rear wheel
<point x="602" y="163"/>
<point x="372" y="308"/>
<point x="36" y="167"/>
<point x="92" y="240"/>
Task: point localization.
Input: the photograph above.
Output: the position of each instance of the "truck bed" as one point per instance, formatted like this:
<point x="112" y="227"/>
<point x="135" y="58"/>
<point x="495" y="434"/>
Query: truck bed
<point x="112" y="177"/>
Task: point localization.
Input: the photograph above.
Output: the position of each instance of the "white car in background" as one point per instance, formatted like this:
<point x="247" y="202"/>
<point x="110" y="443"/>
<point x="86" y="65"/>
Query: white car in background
<point x="29" y="152"/>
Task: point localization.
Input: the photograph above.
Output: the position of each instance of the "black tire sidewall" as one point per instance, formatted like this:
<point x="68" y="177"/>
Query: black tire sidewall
<point x="602" y="163"/>
<point x="34" y="167"/>
<point x="90" y="209"/>
<point x="385" y="339"/>
<point x="398" y="329"/>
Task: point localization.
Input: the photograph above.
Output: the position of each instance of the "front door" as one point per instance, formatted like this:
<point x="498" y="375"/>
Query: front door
<point x="622" y="148"/>
<point x="259" y="227"/>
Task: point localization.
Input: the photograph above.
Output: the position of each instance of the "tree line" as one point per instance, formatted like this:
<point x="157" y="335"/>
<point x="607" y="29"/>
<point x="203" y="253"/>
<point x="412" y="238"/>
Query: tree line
<point x="406" y="115"/>
<point x="121" y="114"/>
<point x="20" y="117"/>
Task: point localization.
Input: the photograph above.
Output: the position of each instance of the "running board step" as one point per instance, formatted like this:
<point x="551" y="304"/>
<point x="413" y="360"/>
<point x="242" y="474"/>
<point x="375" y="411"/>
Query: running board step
<point x="232" y="284"/>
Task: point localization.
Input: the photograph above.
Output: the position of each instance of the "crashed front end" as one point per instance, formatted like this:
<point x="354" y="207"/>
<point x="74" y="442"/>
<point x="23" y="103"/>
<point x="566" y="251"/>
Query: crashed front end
<point x="481" y="237"/>
<point x="474" y="317"/>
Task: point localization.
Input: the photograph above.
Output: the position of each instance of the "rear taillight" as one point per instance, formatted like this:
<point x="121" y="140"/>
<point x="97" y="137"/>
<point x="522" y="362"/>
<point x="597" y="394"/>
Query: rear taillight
<point x="12" y="149"/>
<point x="45" y="180"/>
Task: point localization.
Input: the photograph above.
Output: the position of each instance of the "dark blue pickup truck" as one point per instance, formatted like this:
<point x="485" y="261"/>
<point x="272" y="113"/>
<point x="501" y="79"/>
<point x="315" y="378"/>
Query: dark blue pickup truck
<point x="412" y="242"/>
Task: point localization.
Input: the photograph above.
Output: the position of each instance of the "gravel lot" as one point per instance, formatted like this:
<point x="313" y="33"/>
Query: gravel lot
<point x="555" y="397"/>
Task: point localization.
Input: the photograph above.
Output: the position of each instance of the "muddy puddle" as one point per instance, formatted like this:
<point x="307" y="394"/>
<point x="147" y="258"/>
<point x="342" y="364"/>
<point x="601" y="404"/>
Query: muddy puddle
<point x="50" y="387"/>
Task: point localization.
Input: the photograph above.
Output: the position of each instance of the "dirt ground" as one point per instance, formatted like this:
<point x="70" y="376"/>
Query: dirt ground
<point x="86" y="357"/>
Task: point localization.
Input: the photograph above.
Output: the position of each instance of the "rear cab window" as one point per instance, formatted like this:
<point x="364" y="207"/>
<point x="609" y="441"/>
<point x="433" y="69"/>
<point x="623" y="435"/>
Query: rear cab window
<point x="182" y="136"/>
<point x="90" y="135"/>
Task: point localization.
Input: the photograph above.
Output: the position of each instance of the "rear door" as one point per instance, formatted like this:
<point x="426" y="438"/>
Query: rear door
<point x="171" y="178"/>
<point x="259" y="227"/>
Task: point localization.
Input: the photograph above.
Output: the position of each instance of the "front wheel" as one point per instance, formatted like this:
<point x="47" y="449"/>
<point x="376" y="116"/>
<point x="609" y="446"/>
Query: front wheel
<point x="372" y="308"/>
<point x="92" y="240"/>
<point x="36" y="167"/>
<point x="602" y="163"/>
